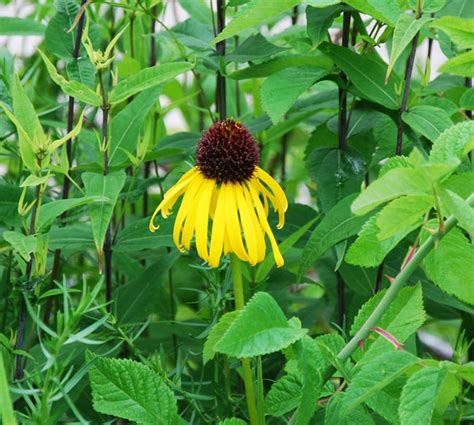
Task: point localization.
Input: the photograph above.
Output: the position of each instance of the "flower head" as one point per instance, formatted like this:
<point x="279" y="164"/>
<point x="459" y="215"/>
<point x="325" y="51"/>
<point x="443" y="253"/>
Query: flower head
<point x="228" y="188"/>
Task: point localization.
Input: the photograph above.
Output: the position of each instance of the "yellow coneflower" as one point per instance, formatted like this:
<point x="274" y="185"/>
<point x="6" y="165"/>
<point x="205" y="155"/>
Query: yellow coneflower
<point x="228" y="187"/>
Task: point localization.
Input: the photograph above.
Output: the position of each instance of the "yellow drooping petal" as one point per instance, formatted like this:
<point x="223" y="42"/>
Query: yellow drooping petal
<point x="233" y="228"/>
<point x="188" y="199"/>
<point x="171" y="196"/>
<point x="280" y="201"/>
<point x="264" y="222"/>
<point x="190" y="223"/>
<point x="218" y="227"/>
<point x="258" y="229"/>
<point x="247" y="224"/>
<point x="202" y="218"/>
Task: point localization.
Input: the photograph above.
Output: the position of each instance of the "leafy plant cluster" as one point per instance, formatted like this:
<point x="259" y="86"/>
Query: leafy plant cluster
<point x="102" y="320"/>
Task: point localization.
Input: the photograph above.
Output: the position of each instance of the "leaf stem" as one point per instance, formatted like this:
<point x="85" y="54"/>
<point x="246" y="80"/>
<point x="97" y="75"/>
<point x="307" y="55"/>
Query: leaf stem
<point x="221" y="104"/>
<point x="246" y="370"/>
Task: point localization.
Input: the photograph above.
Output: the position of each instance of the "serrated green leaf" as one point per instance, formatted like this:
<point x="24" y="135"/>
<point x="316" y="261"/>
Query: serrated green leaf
<point x="253" y="13"/>
<point x="458" y="207"/>
<point x="339" y="224"/>
<point x="427" y="120"/>
<point x="147" y="78"/>
<point x="406" y="28"/>
<point x="319" y="19"/>
<point x="132" y="391"/>
<point x="254" y="48"/>
<point x="453" y="144"/>
<point x="280" y="90"/>
<point x="216" y="333"/>
<point x="419" y="394"/>
<point x="450" y="266"/>
<point x="106" y="187"/>
<point x="462" y="64"/>
<point x="284" y="395"/>
<point x="260" y="328"/>
<point x="460" y="30"/>
<point x="367" y="73"/>
<point x="335" y="414"/>
<point x="402" y="213"/>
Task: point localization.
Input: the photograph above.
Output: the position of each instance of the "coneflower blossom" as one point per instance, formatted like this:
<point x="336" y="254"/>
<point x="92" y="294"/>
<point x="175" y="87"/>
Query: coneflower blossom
<point x="228" y="188"/>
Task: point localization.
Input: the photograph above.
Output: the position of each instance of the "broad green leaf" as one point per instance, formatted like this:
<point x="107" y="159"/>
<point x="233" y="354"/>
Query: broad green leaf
<point x="216" y="334"/>
<point x="6" y="407"/>
<point x="467" y="99"/>
<point x="73" y="238"/>
<point x="449" y="266"/>
<point x="417" y="401"/>
<point x="254" y="13"/>
<point x="322" y="3"/>
<point x="52" y="210"/>
<point x="427" y="120"/>
<point x="387" y="11"/>
<point x="81" y="70"/>
<point x="368" y="250"/>
<point x="459" y="30"/>
<point x="369" y="383"/>
<point x="132" y="391"/>
<point x="24" y="245"/>
<point x="136" y="236"/>
<point x="126" y="125"/>
<point x="462" y="64"/>
<point x="20" y="26"/>
<point x="406" y="28"/>
<point x="458" y="207"/>
<point x="147" y="78"/>
<point x="254" y="48"/>
<point x="284" y="395"/>
<point x="280" y="90"/>
<point x="402" y="213"/>
<point x="108" y="187"/>
<point x="366" y="73"/>
<point x="319" y="20"/>
<point x="404" y="316"/>
<point x="261" y="328"/>
<point x="453" y="144"/>
<point x="339" y="224"/>
<point x="396" y="182"/>
<point x="72" y="88"/>
<point x="9" y="197"/>
<point x="335" y="414"/>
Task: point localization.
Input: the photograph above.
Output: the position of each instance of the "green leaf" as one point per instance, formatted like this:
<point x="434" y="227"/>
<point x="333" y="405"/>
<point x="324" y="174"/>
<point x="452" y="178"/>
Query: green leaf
<point x="24" y="245"/>
<point x="108" y="187"/>
<point x="6" y="407"/>
<point x="254" y="13"/>
<point x="82" y="71"/>
<point x="453" y="144"/>
<point x="368" y="250"/>
<point x="406" y="28"/>
<point x="20" y="26"/>
<point x="427" y="120"/>
<point x="280" y="90"/>
<point x="459" y="30"/>
<point x="132" y="391"/>
<point x="126" y="125"/>
<point x="319" y="21"/>
<point x="402" y="213"/>
<point x="335" y="414"/>
<point x="383" y="10"/>
<point x="233" y="421"/>
<point x="450" y="266"/>
<point x="396" y="182"/>
<point x="419" y="394"/>
<point x="462" y="64"/>
<point x="284" y="395"/>
<point x="467" y="100"/>
<point x="322" y="3"/>
<point x="260" y="328"/>
<point x="404" y="316"/>
<point x="256" y="47"/>
<point x="458" y="207"/>
<point x="216" y="334"/>
<point x="147" y="78"/>
<point x="429" y="6"/>
<point x="72" y="88"/>
<point x="366" y="73"/>
<point x="339" y="224"/>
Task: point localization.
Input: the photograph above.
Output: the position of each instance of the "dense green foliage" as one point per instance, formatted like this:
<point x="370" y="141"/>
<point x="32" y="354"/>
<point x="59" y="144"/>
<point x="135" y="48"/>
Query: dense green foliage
<point x="370" y="321"/>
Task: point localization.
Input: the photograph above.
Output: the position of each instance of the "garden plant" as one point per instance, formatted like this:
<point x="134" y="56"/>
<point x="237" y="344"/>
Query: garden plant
<point x="236" y="212"/>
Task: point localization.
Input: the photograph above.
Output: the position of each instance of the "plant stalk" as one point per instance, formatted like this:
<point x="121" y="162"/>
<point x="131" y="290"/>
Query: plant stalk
<point x="246" y="369"/>
<point x="221" y="104"/>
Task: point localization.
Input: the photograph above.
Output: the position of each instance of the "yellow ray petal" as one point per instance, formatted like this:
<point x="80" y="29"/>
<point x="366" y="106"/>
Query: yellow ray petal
<point x="188" y="199"/>
<point x="247" y="224"/>
<point x="190" y="223"/>
<point x="281" y="203"/>
<point x="202" y="218"/>
<point x="263" y="220"/>
<point x="218" y="227"/>
<point x="233" y="229"/>
<point x="258" y="229"/>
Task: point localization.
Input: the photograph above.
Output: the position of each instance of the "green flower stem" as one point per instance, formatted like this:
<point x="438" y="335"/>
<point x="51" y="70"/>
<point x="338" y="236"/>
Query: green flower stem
<point x="394" y="289"/>
<point x="246" y="370"/>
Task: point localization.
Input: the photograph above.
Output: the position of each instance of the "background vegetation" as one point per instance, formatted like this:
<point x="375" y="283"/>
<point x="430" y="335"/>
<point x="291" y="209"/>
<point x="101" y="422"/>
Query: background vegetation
<point x="371" y="318"/>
